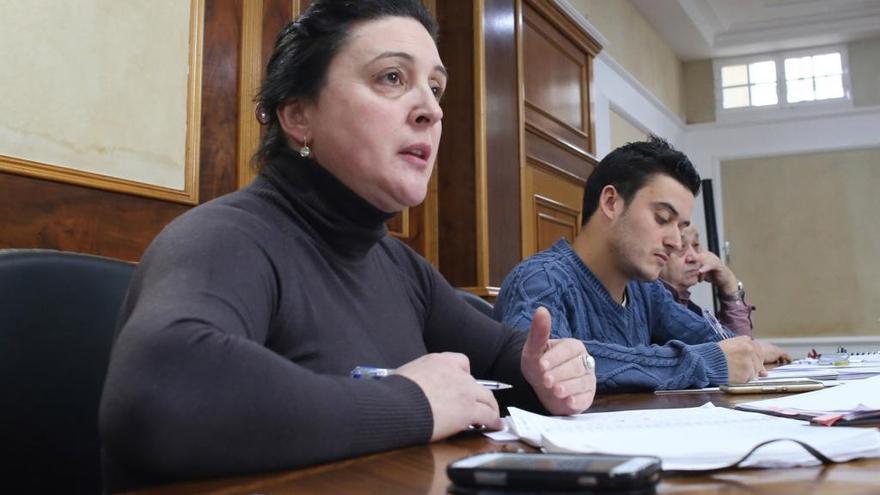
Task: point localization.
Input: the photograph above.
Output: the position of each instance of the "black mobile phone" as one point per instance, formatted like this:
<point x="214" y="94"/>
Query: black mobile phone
<point x="560" y="472"/>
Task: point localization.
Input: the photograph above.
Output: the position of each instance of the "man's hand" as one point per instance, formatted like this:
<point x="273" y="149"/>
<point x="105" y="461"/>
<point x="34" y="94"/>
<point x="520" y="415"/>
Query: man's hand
<point x="771" y="353"/>
<point x="557" y="369"/>
<point x="712" y="270"/>
<point x="744" y="360"/>
<point x="457" y="400"/>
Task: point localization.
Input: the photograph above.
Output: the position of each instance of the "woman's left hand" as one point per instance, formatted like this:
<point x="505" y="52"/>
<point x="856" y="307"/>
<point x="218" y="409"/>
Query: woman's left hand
<point x="560" y="370"/>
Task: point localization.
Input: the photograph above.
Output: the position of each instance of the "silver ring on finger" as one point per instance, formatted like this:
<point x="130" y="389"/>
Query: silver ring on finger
<point x="589" y="362"/>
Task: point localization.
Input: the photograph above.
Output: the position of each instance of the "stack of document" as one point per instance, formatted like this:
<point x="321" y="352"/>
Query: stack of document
<point x="854" y="402"/>
<point x="811" y="369"/>
<point x="695" y="439"/>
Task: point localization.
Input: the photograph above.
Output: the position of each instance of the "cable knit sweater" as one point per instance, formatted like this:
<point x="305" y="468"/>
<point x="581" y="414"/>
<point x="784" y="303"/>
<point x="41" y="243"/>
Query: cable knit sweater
<point x="651" y="343"/>
<point x="245" y="318"/>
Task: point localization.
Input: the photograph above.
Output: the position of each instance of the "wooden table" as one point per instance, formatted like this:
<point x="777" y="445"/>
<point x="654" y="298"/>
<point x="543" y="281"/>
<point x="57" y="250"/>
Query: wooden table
<point x="422" y="470"/>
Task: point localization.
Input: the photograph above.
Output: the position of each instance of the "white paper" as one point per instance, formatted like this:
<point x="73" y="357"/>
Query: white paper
<point x="855" y="395"/>
<point x="696" y="439"/>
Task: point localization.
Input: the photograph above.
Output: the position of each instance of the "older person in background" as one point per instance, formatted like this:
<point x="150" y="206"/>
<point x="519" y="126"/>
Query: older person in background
<point x="248" y="313"/>
<point x="690" y="265"/>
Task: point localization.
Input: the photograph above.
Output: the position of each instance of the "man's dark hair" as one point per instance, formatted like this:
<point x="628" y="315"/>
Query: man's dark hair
<point x="631" y="166"/>
<point x="303" y="51"/>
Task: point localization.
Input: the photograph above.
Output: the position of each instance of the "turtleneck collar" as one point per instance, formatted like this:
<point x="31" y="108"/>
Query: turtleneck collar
<point x="338" y="216"/>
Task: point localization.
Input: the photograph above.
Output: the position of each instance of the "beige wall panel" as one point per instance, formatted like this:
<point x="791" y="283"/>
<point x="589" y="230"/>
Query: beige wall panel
<point x="864" y="68"/>
<point x="638" y="48"/>
<point x="805" y="235"/>
<point x="623" y="132"/>
<point x="98" y="86"/>
<point x="699" y="91"/>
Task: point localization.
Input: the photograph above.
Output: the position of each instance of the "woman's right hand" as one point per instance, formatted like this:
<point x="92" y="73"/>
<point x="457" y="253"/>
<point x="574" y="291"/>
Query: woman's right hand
<point x="457" y="400"/>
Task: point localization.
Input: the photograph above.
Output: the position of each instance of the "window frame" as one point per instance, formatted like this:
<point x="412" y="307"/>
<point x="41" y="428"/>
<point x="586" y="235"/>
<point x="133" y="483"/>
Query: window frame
<point x="802" y="107"/>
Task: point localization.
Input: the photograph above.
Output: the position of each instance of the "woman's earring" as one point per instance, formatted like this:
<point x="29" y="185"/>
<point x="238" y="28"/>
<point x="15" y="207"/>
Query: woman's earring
<point x="262" y="114"/>
<point x="305" y="151"/>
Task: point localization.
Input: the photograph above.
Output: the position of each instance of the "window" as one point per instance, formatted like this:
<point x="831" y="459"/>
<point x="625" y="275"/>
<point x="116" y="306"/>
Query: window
<point x="749" y="84"/>
<point x="781" y="80"/>
<point x="817" y="77"/>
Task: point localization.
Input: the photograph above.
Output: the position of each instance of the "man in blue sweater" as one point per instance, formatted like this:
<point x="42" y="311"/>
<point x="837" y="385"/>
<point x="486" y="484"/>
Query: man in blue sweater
<point x="603" y="287"/>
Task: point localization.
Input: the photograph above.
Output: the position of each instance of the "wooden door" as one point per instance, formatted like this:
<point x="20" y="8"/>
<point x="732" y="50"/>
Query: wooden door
<point x="558" y="139"/>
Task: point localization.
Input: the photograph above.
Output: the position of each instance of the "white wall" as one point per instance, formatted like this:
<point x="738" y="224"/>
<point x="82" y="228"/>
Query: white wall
<point x="708" y="144"/>
<point x="615" y="89"/>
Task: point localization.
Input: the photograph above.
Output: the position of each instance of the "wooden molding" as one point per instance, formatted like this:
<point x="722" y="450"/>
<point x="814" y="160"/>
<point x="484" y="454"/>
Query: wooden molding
<point x="430" y="213"/>
<point x="556" y="205"/>
<point x="194" y="100"/>
<point x="557" y="120"/>
<point x="590" y="108"/>
<point x="570" y="29"/>
<point x="561" y="172"/>
<point x="404" y="231"/>
<point x="250" y="73"/>
<point x="559" y="143"/>
<point x="524" y="176"/>
<point x="480" y="158"/>
<point x="297" y="6"/>
<point x="486" y="292"/>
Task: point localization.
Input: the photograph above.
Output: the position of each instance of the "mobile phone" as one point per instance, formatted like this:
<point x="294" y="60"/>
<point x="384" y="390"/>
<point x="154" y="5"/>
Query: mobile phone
<point x="770" y="387"/>
<point x="562" y="472"/>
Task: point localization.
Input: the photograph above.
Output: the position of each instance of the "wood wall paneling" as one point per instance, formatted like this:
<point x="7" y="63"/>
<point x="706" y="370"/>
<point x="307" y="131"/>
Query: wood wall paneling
<point x="566" y="160"/>
<point x="553" y="207"/>
<point x="250" y="76"/>
<point x="37" y="213"/>
<point x="554" y="221"/>
<point x="554" y="71"/>
<point x="559" y="145"/>
<point x="220" y="115"/>
<point x="77" y="218"/>
<point x="502" y="138"/>
<point x="526" y="133"/>
<point x="417" y="226"/>
<point x="276" y="15"/>
<point x="456" y="172"/>
<point x="476" y="200"/>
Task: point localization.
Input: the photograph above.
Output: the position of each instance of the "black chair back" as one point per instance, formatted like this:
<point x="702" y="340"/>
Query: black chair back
<point x="58" y="312"/>
<point x="476" y="301"/>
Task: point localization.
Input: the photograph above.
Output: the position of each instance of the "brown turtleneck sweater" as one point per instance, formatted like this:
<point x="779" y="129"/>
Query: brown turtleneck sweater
<point x="246" y="316"/>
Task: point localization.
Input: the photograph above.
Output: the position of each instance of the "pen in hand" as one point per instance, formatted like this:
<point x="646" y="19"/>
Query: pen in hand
<point x="377" y="373"/>
<point x="716" y="325"/>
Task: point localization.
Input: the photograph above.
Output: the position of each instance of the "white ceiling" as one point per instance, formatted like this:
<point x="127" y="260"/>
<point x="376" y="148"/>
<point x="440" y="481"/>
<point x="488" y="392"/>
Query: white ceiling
<point x="698" y="29"/>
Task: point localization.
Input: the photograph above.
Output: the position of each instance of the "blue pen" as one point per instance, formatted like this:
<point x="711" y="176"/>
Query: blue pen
<point x="377" y="373"/>
<point x="716" y="325"/>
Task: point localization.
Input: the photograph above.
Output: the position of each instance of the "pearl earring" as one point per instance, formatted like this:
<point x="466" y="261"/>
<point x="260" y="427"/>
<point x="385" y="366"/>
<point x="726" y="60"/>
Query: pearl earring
<point x="305" y="151"/>
<point x="262" y="114"/>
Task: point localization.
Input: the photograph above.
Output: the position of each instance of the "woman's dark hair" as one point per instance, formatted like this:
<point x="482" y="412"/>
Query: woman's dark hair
<point x="304" y="49"/>
<point x="629" y="168"/>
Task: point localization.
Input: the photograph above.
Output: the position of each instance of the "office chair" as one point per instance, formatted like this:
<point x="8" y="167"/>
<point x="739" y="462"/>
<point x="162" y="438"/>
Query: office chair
<point x="58" y="312"/>
<point x="476" y="301"/>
